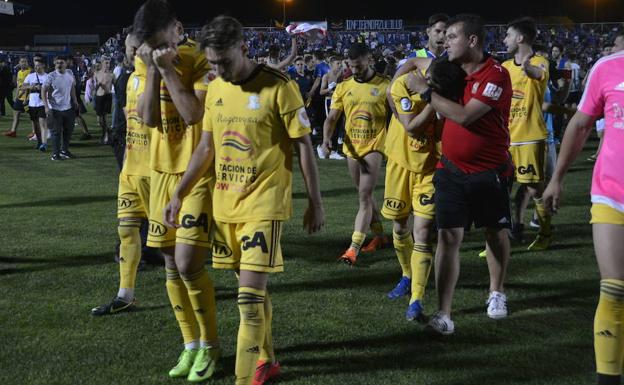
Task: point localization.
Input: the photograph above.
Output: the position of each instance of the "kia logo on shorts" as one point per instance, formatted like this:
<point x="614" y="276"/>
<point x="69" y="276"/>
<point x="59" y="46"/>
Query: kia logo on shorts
<point x="220" y="250"/>
<point x="157" y="229"/>
<point x="394" y="204"/>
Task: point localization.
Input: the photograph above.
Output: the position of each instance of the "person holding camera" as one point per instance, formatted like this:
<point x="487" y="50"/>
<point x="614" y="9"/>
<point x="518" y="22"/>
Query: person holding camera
<point x="33" y="85"/>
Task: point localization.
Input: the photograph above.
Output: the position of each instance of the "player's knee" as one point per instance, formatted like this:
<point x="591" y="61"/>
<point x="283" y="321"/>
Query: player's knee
<point x="129" y="232"/>
<point x="421" y="234"/>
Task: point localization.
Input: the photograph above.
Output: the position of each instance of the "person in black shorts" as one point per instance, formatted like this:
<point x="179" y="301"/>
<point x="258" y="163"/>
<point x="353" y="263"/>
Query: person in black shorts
<point x="103" y="96"/>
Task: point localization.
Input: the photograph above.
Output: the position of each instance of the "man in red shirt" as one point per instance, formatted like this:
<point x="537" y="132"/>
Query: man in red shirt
<point x="473" y="177"/>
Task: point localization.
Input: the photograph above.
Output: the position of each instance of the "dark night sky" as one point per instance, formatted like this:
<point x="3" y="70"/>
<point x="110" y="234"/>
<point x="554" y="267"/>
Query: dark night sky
<point x="117" y="12"/>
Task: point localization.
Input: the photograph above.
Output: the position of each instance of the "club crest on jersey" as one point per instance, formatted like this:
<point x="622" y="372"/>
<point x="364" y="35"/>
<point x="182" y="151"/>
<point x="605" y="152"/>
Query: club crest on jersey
<point x="303" y="117"/>
<point x="375" y="91"/>
<point x="254" y="102"/>
<point x="475" y="87"/>
<point x="406" y="104"/>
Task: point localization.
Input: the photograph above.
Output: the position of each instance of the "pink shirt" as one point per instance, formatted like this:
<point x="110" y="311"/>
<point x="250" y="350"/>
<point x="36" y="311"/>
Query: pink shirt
<point x="604" y="95"/>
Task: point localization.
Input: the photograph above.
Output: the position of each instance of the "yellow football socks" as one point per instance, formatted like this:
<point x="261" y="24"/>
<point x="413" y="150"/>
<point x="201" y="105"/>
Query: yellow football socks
<point x="403" y="244"/>
<point x="543" y="217"/>
<point x="129" y="253"/>
<point x="608" y="338"/>
<point x="377" y="228"/>
<point x="266" y="351"/>
<point x="357" y="240"/>
<point x="251" y="333"/>
<point x="182" y="308"/>
<point x="422" y="254"/>
<point x="201" y="294"/>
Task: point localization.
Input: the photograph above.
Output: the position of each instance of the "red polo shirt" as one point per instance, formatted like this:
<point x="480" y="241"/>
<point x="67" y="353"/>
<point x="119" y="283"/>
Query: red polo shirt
<point x="484" y="144"/>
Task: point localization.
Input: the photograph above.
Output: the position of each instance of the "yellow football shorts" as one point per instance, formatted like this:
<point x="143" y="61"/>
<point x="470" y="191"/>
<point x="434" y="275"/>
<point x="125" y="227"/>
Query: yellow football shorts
<point x="133" y="196"/>
<point x="407" y="192"/>
<point x="601" y="213"/>
<point x="195" y="217"/>
<point x="530" y="161"/>
<point x="253" y="246"/>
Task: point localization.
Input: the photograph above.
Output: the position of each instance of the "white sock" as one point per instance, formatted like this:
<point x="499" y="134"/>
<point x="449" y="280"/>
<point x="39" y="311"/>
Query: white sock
<point x="191" y="345"/>
<point x="126" y="294"/>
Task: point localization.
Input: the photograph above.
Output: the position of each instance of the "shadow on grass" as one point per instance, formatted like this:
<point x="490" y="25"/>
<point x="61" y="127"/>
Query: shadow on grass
<point x="65" y="201"/>
<point x="52" y="263"/>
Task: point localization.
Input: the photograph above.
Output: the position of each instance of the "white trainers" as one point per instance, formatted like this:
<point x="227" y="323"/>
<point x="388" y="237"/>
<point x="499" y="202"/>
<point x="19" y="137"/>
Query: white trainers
<point x="497" y="305"/>
<point x="336" y="156"/>
<point x="321" y="153"/>
<point x="441" y="324"/>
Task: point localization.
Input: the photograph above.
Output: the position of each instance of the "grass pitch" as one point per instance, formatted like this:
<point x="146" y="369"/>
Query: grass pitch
<point x="332" y="323"/>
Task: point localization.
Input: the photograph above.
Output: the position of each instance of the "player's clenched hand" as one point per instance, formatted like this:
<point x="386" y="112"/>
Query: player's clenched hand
<point x="164" y="58"/>
<point x="551" y="196"/>
<point x="171" y="212"/>
<point x="145" y="53"/>
<point x="313" y="218"/>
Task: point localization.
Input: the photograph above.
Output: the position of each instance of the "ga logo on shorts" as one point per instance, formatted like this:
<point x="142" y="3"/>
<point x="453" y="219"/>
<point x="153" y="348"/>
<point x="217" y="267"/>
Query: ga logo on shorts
<point x="189" y="221"/>
<point x="220" y="250"/>
<point x="257" y="240"/>
<point x="157" y="229"/>
<point x="394" y="204"/>
<point x="425" y="199"/>
<point x="526" y="170"/>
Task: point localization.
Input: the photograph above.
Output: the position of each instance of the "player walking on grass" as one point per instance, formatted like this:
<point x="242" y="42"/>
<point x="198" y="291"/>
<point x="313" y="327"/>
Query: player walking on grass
<point x="254" y="115"/>
<point x="471" y="181"/>
<point x="412" y="148"/>
<point x="603" y="96"/>
<point x="527" y="128"/>
<point x="133" y="193"/>
<point x="362" y="98"/>
<point x="176" y="76"/>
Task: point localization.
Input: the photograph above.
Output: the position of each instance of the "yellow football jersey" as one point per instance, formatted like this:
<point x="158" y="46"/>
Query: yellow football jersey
<point x="21" y="76"/>
<point x="526" y="121"/>
<point x="137" y="158"/>
<point x="252" y="125"/>
<point x="173" y="142"/>
<point x="420" y="154"/>
<point x="366" y="114"/>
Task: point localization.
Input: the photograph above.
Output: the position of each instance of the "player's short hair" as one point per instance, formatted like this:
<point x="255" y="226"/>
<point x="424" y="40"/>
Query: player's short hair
<point x="152" y="17"/>
<point x="527" y="27"/>
<point x="471" y="25"/>
<point x="221" y="33"/>
<point x="358" y="50"/>
<point x="60" y="57"/>
<point x="447" y="78"/>
<point x="333" y="58"/>
<point x="307" y="58"/>
<point x="438" y="17"/>
<point x="539" y="47"/>
<point x="558" y="46"/>
<point x="318" y="54"/>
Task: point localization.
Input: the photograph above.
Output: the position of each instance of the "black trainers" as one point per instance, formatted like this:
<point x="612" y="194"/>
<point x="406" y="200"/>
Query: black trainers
<point x="117" y="305"/>
<point x="67" y="155"/>
<point x="56" y="157"/>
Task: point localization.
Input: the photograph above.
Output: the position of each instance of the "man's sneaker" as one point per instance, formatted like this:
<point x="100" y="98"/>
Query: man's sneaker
<point x="266" y="371"/>
<point x="534" y="223"/>
<point x="517" y="232"/>
<point x="205" y="364"/>
<point x="483" y="254"/>
<point x="378" y="242"/>
<point x="31" y="135"/>
<point x="541" y="242"/>
<point x="497" y="305"/>
<point x="56" y="157"/>
<point x="416" y="312"/>
<point x="67" y="155"/>
<point x="336" y="156"/>
<point x="11" y="134"/>
<point x="593" y="157"/>
<point x="43" y="147"/>
<point x="321" y="153"/>
<point x="402" y="288"/>
<point x="349" y="257"/>
<point x="184" y="365"/>
<point x="440" y="323"/>
<point x="117" y="305"/>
